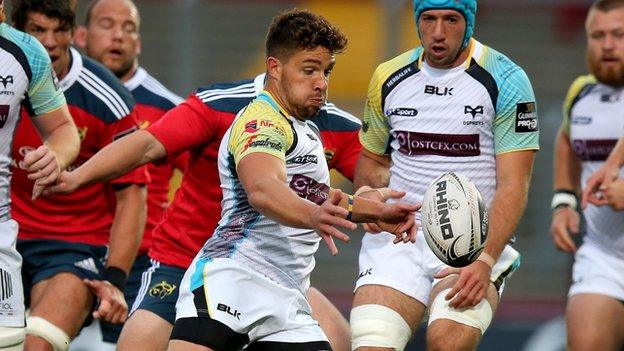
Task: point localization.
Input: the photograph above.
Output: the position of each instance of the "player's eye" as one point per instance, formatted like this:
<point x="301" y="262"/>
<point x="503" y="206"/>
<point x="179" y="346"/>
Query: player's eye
<point x="308" y="71"/>
<point x="129" y="28"/>
<point x="106" y="23"/>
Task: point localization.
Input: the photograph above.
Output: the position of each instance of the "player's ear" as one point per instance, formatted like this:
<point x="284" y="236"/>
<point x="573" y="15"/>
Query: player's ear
<point x="274" y="67"/>
<point x="80" y="37"/>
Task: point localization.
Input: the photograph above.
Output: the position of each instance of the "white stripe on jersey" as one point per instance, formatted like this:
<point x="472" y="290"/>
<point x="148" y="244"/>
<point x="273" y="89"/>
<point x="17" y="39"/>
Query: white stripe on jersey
<point x="331" y="108"/>
<point x="240" y="95"/>
<point x="245" y="88"/>
<point x="96" y="86"/>
<point x="150" y="83"/>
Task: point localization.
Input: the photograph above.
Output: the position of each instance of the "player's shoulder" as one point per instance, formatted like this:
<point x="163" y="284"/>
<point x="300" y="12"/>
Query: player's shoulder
<point x="332" y="118"/>
<point x="398" y="68"/>
<point x="228" y="97"/>
<point x="262" y="112"/>
<point x="147" y="90"/>
<point x="26" y="49"/>
<point x="581" y="83"/>
<point x="494" y="62"/>
<point x="96" y="89"/>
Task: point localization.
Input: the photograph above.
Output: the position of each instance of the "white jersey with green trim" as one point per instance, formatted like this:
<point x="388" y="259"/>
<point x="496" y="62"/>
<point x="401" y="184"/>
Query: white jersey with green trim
<point x="591" y="119"/>
<point x="432" y="121"/>
<point x="26" y="78"/>
<point x="281" y="253"/>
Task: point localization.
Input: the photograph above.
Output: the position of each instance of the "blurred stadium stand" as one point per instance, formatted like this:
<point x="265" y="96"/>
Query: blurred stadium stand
<point x="189" y="43"/>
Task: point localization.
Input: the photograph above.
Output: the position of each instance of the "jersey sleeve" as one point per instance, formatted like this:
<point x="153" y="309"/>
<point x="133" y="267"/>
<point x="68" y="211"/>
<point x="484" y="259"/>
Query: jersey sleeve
<point x="186" y="126"/>
<point x="516" y="123"/>
<point x="375" y="133"/>
<point x="573" y="93"/>
<point x="44" y="94"/>
<point x="257" y="131"/>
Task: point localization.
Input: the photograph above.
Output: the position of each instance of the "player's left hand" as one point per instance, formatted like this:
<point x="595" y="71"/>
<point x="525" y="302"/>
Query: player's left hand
<point x="113" y="307"/>
<point x="42" y="166"/>
<point x="471" y="286"/>
<point x="398" y="218"/>
<point x="597" y="183"/>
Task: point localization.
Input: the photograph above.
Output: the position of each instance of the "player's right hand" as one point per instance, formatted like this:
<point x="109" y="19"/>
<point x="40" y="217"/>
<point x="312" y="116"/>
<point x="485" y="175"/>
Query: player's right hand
<point x="113" y="307"/>
<point x="565" y="223"/>
<point x="378" y="194"/>
<point x="328" y="215"/>
<point x="399" y="219"/>
<point x="66" y="183"/>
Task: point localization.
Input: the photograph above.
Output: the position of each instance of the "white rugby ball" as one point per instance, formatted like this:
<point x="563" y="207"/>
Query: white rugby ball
<point x="454" y="219"/>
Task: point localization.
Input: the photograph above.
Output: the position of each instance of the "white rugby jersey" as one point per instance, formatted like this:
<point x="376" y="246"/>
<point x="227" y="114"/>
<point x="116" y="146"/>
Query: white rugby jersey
<point x="592" y="118"/>
<point x="26" y="77"/>
<point x="432" y="121"/>
<point x="283" y="254"/>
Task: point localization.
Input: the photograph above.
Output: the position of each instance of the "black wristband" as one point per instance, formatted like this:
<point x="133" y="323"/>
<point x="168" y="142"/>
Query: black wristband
<point x="115" y="276"/>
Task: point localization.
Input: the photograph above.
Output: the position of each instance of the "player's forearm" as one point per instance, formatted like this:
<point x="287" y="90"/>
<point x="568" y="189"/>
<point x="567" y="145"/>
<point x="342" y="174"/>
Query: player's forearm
<point x="64" y="143"/>
<point x="120" y="157"/>
<point x="372" y="170"/>
<point x="567" y="168"/>
<point x="128" y="226"/>
<point x="616" y="158"/>
<point x="277" y="201"/>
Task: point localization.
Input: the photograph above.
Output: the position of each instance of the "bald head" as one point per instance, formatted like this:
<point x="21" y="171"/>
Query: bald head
<point x="111" y="35"/>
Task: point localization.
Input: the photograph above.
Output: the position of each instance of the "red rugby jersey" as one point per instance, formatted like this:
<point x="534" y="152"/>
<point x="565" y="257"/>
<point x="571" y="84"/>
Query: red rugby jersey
<point x="153" y="100"/>
<point x="198" y="125"/>
<point x="103" y="111"/>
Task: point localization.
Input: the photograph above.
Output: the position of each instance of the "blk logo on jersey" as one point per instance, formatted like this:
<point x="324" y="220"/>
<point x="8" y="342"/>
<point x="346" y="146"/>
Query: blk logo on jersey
<point x="402" y="112"/>
<point x="451" y="145"/>
<point x="526" y="117"/>
<point x="309" y="189"/>
<point x="6" y="81"/>
<point x="440" y="91"/>
<point x="4" y="114"/>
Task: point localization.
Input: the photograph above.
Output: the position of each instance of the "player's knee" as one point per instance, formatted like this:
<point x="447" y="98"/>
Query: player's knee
<point x="54" y="335"/>
<point x="378" y="326"/>
<point x="477" y="317"/>
<point x="11" y="339"/>
<point x="438" y="340"/>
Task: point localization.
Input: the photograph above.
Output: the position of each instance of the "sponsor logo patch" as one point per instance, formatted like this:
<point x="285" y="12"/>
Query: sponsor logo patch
<point x="302" y="160"/>
<point x="593" y="150"/>
<point x="581" y="120"/>
<point x="6" y="81"/>
<point x="309" y="189"/>
<point x="526" y="117"/>
<point x="453" y="145"/>
<point x="402" y="112"/>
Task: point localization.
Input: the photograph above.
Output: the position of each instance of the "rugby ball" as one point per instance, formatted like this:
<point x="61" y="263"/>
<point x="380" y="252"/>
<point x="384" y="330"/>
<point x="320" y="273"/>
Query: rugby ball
<point x="454" y="219"/>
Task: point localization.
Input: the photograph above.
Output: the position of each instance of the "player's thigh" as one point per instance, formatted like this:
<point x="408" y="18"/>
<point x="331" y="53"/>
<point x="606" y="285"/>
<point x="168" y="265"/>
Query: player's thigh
<point x="180" y="345"/>
<point x="457" y="330"/>
<point x="63" y="300"/>
<point x="594" y="322"/>
<point x="144" y="331"/>
<point x="332" y="322"/>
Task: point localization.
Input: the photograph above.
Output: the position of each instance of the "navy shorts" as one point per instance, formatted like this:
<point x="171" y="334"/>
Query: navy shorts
<point x="110" y="332"/>
<point x="46" y="258"/>
<point x="159" y="291"/>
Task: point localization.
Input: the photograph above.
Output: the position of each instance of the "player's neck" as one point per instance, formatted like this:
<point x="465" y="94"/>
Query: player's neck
<point x="131" y="72"/>
<point x="275" y="93"/>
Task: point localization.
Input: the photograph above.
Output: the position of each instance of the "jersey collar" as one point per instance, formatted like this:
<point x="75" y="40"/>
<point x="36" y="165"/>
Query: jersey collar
<point x="74" y="70"/>
<point x="137" y="79"/>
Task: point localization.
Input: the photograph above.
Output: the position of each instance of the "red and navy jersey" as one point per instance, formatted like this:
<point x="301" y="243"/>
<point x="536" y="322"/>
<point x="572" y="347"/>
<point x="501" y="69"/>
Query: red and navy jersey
<point x="103" y="111"/>
<point x="153" y="100"/>
<point x="198" y="125"/>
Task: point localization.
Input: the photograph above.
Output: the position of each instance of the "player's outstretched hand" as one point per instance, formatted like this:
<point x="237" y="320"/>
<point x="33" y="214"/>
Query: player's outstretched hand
<point x="565" y="223"/>
<point x="328" y="215"/>
<point x="112" y="308"/>
<point x="42" y="167"/>
<point x="377" y="194"/>
<point x="471" y="285"/>
<point x="599" y="181"/>
<point x="398" y="218"/>
<point x="66" y="183"/>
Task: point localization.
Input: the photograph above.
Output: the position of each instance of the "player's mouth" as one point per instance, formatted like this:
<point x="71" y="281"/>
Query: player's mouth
<point x="318" y="101"/>
<point x="610" y="60"/>
<point x="439" y="51"/>
<point x="115" y="53"/>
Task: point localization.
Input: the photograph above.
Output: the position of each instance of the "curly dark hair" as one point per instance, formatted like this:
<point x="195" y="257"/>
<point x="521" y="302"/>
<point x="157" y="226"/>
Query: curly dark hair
<point x="63" y="10"/>
<point x="301" y="29"/>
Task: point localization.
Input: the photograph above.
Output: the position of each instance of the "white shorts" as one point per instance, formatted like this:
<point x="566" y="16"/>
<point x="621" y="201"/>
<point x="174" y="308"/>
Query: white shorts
<point x="597" y="272"/>
<point x="11" y="289"/>
<point x="246" y="302"/>
<point x="409" y="268"/>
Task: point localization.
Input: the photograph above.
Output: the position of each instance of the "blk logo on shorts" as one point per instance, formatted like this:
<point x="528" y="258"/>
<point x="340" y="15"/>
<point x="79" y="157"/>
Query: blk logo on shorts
<point x="227" y="309"/>
<point x="162" y="290"/>
<point x="6" y="285"/>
